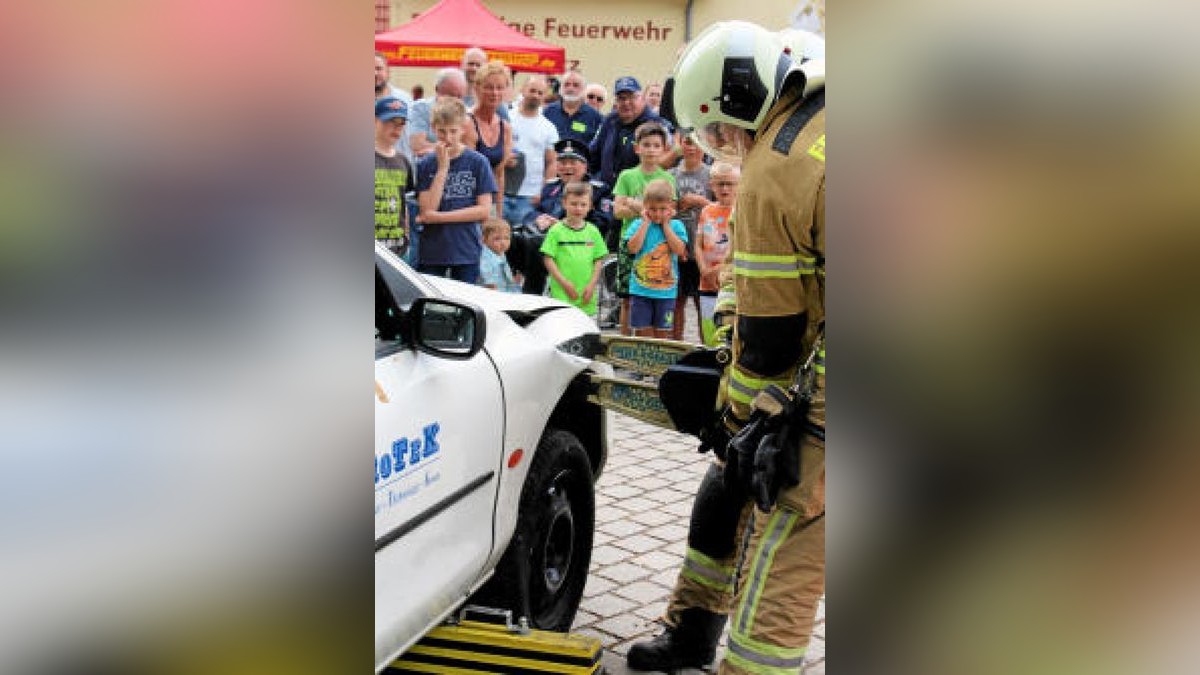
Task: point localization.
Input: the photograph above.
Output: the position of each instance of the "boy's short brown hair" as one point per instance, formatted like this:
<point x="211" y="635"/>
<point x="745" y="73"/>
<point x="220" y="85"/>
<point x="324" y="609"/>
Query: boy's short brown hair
<point x="447" y="110"/>
<point x="492" y="225"/>
<point x="578" y="188"/>
<point x="650" y="129"/>
<point x="659" y="190"/>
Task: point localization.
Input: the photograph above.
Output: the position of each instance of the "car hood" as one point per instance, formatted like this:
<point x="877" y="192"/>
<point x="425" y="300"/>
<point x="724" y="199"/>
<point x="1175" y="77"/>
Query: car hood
<point x="522" y="307"/>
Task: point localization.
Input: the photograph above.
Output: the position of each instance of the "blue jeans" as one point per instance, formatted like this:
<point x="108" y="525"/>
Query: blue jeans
<point x="465" y="273"/>
<point x="516" y="209"/>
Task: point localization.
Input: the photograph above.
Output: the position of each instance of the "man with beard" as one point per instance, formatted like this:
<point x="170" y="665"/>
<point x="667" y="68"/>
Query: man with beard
<point x="532" y="163"/>
<point x="385" y="89"/>
<point x="525" y="253"/>
<point x="571" y="115"/>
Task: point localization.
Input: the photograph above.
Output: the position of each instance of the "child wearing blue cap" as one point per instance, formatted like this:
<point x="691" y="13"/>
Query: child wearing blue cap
<point x="393" y="175"/>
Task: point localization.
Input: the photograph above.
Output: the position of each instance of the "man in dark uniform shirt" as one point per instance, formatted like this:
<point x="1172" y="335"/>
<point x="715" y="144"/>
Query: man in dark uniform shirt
<point x="524" y="255"/>
<point x="612" y="149"/>
<point x="571" y="115"/>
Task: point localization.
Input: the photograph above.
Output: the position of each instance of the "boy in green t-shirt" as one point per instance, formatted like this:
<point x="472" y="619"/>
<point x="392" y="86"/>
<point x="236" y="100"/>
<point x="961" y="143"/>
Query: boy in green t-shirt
<point x="650" y="142"/>
<point x="573" y="251"/>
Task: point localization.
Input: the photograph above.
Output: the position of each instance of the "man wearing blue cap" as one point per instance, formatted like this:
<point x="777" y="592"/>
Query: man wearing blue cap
<point x="525" y="253"/>
<point x="393" y="175"/>
<point x="612" y="150"/>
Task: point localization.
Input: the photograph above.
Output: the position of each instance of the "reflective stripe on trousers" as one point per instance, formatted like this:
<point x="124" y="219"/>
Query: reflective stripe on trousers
<point x="708" y="572"/>
<point x="783" y="580"/>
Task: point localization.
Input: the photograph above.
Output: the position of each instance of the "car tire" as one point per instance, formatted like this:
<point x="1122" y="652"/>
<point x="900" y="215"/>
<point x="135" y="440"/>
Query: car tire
<point x="543" y="571"/>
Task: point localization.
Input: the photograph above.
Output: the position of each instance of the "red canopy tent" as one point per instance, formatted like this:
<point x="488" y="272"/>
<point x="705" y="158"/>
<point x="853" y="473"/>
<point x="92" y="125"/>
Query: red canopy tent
<point x="441" y="35"/>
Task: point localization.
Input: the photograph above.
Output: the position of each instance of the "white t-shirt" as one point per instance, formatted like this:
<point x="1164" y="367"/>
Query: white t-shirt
<point x="533" y="136"/>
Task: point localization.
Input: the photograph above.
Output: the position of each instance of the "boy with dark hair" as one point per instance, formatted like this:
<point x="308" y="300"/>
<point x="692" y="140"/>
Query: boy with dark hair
<point x="574" y="250"/>
<point x="656" y="241"/>
<point x="650" y="142"/>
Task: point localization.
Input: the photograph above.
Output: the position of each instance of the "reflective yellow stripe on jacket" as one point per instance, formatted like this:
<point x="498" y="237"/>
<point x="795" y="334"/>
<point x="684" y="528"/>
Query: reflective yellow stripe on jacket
<point x="770" y="266"/>
<point x="743" y="387"/>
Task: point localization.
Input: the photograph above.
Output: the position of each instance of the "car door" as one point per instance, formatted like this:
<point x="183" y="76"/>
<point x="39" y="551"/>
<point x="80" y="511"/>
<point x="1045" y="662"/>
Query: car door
<point x="438" y="445"/>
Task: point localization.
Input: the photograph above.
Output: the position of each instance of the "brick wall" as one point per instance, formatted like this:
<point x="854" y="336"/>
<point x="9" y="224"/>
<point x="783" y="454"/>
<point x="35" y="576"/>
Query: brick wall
<point x="383" y="15"/>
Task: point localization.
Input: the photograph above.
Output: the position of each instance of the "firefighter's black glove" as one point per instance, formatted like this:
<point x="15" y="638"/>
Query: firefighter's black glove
<point x="739" y="456"/>
<point x="716" y="438"/>
<point x="776" y="465"/>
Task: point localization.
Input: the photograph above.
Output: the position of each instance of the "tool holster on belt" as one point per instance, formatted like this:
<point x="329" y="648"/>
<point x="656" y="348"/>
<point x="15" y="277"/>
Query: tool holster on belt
<point x="764" y="456"/>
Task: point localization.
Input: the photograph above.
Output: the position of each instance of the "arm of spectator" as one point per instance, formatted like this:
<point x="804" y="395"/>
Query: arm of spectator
<point x="672" y="156"/>
<point x="627" y="207"/>
<point x="676" y="243"/>
<point x="697" y="247"/>
<point x="594" y="151"/>
<point x="557" y="274"/>
<point x="550" y="172"/>
<point x="481" y="211"/>
<point x="693" y="200"/>
<point x="638" y="239"/>
<point x="429" y="200"/>
<point x="498" y="171"/>
<point x="590" y="289"/>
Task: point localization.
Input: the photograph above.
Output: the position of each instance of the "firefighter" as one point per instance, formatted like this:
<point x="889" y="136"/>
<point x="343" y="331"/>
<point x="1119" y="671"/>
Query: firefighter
<point x="757" y="97"/>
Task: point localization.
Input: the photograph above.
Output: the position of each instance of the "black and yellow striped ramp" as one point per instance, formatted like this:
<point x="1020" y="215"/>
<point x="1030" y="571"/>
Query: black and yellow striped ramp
<point x="477" y="648"/>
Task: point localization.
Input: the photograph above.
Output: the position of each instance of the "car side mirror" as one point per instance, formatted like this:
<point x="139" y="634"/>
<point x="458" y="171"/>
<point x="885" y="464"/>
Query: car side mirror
<point x="447" y="328"/>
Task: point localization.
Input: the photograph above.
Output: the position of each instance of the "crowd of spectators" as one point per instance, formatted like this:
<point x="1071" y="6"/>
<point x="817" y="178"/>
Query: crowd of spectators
<point x="533" y="186"/>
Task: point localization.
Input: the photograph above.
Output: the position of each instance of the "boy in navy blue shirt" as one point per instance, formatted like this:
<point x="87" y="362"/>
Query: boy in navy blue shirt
<point x="454" y="189"/>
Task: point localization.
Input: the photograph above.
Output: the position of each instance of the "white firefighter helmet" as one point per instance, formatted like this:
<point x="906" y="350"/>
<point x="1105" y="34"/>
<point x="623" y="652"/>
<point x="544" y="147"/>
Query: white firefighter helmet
<point x="729" y="77"/>
<point x="803" y="44"/>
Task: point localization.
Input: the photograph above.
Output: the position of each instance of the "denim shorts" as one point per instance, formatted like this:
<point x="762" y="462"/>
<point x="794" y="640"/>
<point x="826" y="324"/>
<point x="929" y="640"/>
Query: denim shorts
<point x="651" y="312"/>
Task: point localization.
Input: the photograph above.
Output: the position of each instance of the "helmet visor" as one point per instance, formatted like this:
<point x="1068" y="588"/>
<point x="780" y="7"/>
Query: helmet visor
<point x="724" y="142"/>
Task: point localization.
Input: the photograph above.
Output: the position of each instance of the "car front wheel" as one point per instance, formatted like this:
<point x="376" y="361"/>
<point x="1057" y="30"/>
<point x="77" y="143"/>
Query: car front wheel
<point x="542" y="574"/>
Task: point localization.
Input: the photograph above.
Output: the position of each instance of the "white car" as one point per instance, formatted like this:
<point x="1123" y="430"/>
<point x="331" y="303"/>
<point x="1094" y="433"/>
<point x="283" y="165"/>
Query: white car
<point x="486" y="453"/>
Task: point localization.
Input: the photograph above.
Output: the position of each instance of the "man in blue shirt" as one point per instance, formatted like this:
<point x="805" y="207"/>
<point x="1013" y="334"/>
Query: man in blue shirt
<point x="612" y="150"/>
<point x="573" y="118"/>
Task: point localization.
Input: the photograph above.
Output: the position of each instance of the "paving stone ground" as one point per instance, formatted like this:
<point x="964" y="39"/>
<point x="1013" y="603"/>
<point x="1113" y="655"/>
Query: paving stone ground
<point x="643" y="502"/>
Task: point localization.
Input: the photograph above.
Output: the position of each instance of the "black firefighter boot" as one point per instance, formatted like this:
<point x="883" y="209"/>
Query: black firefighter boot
<point x="691" y="644"/>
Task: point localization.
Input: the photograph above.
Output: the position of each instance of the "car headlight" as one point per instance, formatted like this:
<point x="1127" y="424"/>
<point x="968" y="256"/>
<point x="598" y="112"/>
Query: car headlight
<point x="585" y="346"/>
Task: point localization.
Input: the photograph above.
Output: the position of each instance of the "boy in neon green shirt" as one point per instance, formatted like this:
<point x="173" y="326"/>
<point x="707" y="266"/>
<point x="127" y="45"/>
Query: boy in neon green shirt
<point x="573" y="251"/>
